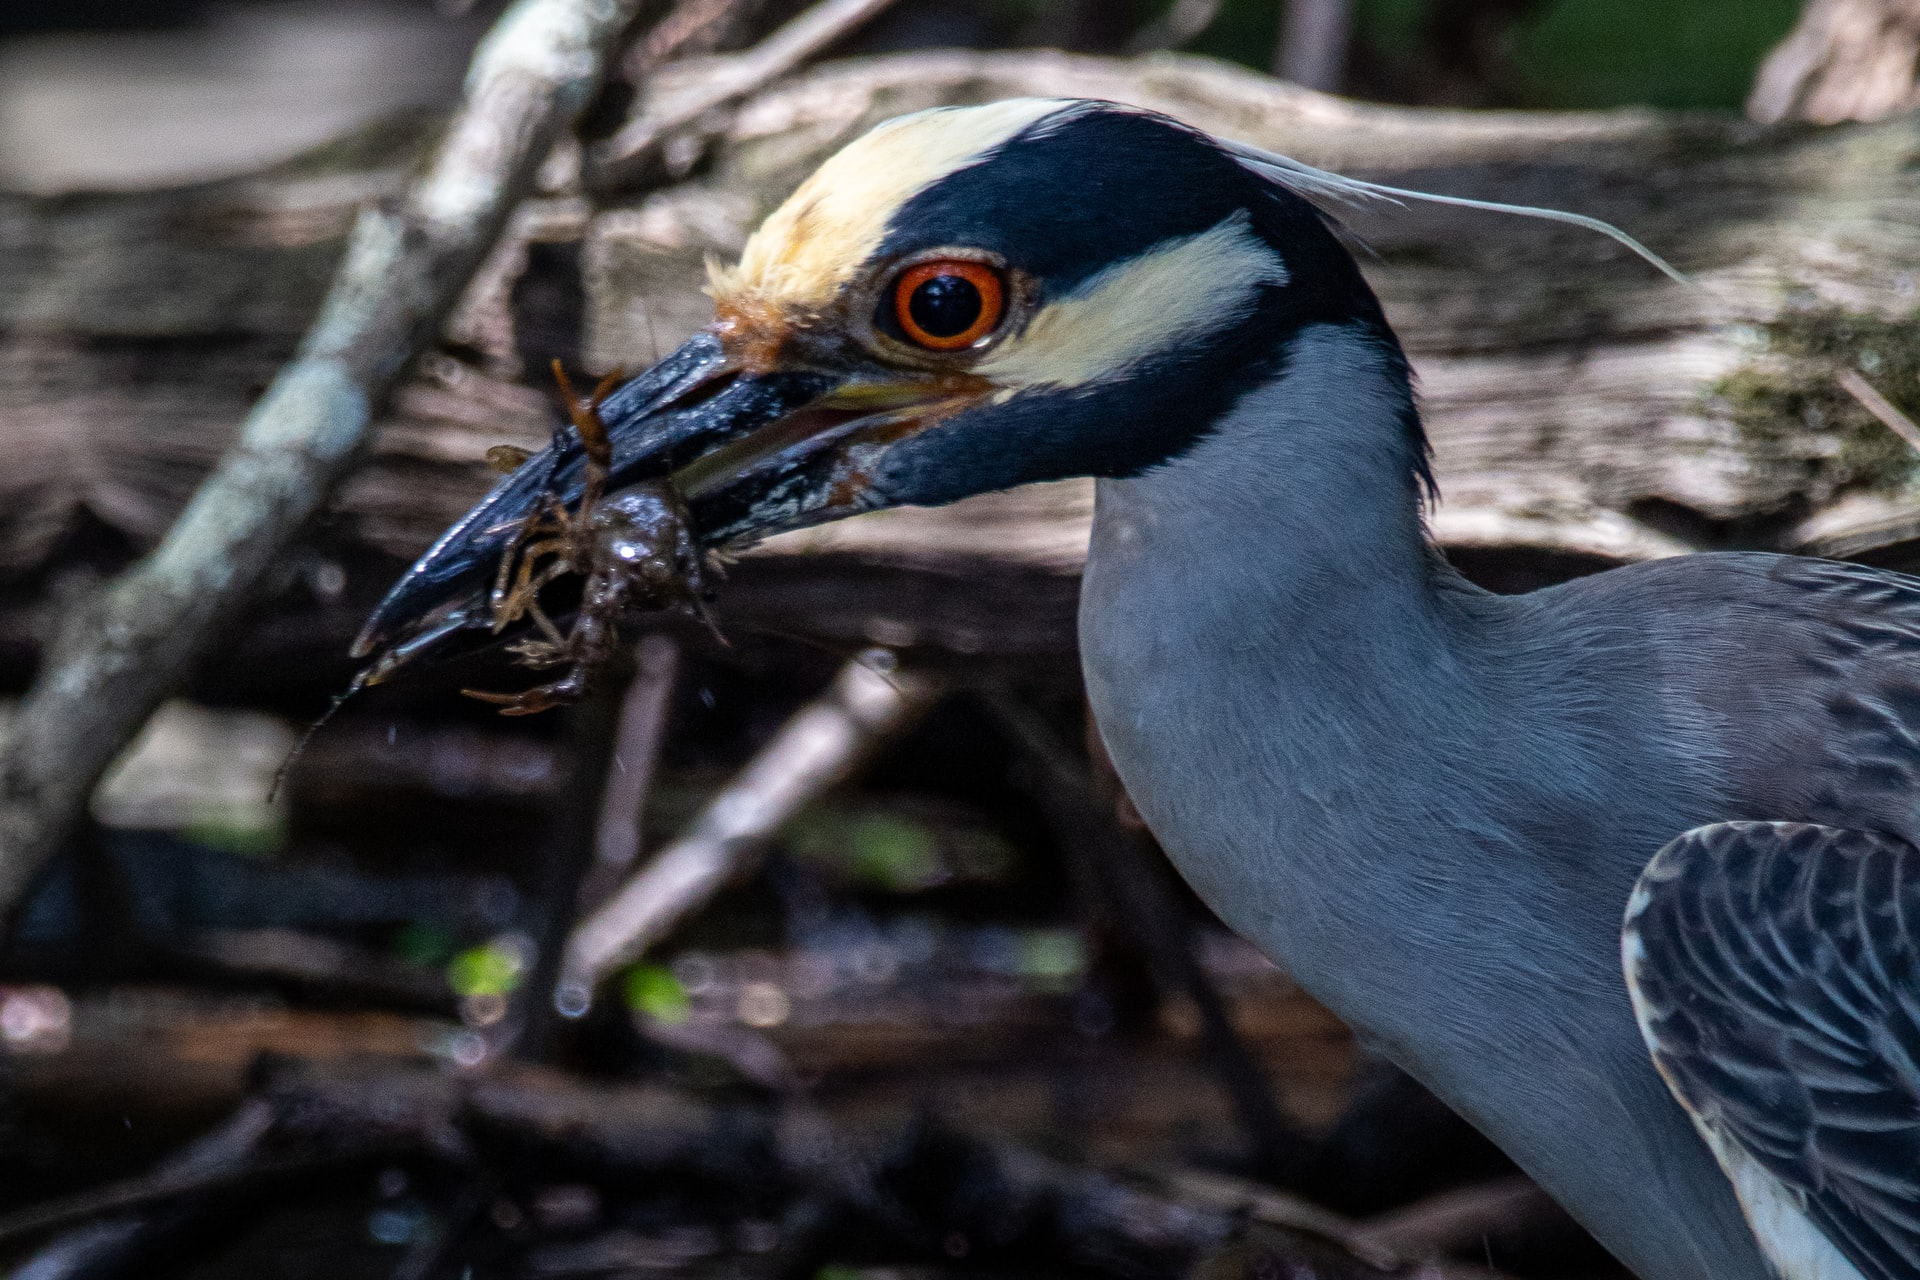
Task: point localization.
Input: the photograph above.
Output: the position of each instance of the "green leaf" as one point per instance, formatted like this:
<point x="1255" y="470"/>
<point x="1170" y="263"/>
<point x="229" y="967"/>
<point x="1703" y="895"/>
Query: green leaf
<point x="652" y="989"/>
<point x="489" y="970"/>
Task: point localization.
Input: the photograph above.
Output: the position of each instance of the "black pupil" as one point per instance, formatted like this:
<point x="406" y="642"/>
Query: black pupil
<point x="945" y="306"/>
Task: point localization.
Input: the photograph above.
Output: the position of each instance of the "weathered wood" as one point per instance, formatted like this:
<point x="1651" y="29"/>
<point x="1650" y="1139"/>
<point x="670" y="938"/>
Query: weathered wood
<point x="1844" y="60"/>
<point x="1585" y="411"/>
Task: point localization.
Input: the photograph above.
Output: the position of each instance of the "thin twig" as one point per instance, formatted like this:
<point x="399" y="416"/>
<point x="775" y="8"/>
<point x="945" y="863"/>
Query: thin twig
<point x="690" y="28"/>
<point x="633" y="152"/>
<point x="1225" y="1193"/>
<point x="118" y="654"/>
<point x="1179" y="24"/>
<point x="1459" y="1219"/>
<point x="818" y="747"/>
<point x="1313" y="43"/>
<point x="533" y="1029"/>
<point x="225" y="1158"/>
<point x="1880" y="407"/>
<point x="636" y="750"/>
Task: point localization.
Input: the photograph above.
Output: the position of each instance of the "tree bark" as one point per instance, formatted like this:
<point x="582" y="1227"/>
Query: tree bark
<point x="1844" y="60"/>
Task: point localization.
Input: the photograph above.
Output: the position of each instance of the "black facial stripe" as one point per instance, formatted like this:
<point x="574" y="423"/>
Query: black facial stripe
<point x="1156" y="411"/>
<point x="1001" y="204"/>
<point x="1068" y="198"/>
<point x="1122" y="183"/>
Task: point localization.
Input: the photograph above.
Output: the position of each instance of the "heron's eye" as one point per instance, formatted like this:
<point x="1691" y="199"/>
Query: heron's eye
<point x="948" y="304"/>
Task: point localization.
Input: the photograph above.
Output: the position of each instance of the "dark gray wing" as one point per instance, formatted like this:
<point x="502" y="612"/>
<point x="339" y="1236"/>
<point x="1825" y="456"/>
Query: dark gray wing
<point x="1773" y="969"/>
<point x="1858" y="653"/>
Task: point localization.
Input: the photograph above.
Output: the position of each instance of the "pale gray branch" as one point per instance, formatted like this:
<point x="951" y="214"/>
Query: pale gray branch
<point x="1179" y="24"/>
<point x="636" y="750"/>
<point x="1313" y="43"/>
<point x="641" y="146"/>
<point x="1880" y="407"/>
<point x="121" y="652"/>
<point x="1458" y="1219"/>
<point x="818" y="747"/>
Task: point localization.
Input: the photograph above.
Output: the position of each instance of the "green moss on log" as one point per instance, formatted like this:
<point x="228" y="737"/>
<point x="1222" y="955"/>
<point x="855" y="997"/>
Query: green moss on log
<point x="1789" y="398"/>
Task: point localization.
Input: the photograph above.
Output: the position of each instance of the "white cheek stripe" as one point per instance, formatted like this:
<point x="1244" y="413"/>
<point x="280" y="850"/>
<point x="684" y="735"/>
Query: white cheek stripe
<point x="1168" y="297"/>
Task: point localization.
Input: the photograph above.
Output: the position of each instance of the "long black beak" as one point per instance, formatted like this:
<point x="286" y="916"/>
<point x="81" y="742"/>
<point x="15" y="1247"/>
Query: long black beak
<point x="751" y="453"/>
<point x="690" y="404"/>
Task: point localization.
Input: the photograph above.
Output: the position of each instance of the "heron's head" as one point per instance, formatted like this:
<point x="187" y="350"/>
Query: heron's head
<point x="962" y="300"/>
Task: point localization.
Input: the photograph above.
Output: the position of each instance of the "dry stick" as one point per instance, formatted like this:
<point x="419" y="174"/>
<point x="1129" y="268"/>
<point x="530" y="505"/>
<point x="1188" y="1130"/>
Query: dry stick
<point x="632" y="152"/>
<point x="1460" y="1219"/>
<point x="118" y="654"/>
<point x="1153" y="916"/>
<point x="295" y="1125"/>
<point x="1091" y="1218"/>
<point x="313" y="961"/>
<point x="689" y="29"/>
<point x="636" y="750"/>
<point x="111" y="1233"/>
<point x="1313" y="43"/>
<point x="1880" y="407"/>
<point x="818" y="747"/>
<point x="1179" y="24"/>
<point x="532" y="1029"/>
<point x="1259" y="1202"/>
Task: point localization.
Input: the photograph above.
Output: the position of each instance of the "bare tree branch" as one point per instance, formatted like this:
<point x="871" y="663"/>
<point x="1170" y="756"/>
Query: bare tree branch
<point x="119" y="653"/>
<point x="1179" y="24"/>
<point x="636" y="749"/>
<point x="1880" y="407"/>
<point x="110" y="1225"/>
<point x="1313" y="43"/>
<point x="1692" y="403"/>
<point x="822" y="744"/>
<point x="639" y="148"/>
<point x="1459" y="1219"/>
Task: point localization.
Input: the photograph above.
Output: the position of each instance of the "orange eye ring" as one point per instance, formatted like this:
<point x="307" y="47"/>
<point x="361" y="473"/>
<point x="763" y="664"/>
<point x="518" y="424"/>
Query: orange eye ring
<point x="949" y="303"/>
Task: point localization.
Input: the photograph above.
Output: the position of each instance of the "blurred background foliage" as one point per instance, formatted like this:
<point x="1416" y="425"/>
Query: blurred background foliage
<point x="1518" y="53"/>
<point x="126" y="94"/>
<point x="1533" y="53"/>
<point x="1486" y="53"/>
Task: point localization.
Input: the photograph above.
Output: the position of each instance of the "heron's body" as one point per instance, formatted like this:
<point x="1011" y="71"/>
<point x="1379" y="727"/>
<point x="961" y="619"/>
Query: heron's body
<point x="1426" y="802"/>
<point x="1431" y="804"/>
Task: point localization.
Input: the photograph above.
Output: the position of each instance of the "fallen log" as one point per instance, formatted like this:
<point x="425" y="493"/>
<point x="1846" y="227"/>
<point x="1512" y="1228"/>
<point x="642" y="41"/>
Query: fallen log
<point x="1585" y="411"/>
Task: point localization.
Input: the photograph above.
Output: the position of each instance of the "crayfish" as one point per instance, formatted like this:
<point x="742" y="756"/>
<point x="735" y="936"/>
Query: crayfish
<point x="635" y="551"/>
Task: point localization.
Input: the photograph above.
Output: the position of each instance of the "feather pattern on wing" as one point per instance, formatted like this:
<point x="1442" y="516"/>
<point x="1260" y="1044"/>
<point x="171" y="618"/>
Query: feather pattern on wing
<point x="1773" y="968"/>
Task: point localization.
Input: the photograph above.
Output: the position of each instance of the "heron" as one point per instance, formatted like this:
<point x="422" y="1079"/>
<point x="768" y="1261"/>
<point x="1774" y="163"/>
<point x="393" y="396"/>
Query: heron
<point x="1622" y="869"/>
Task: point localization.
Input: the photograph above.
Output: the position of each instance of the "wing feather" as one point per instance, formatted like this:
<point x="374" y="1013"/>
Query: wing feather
<point x="1774" y="975"/>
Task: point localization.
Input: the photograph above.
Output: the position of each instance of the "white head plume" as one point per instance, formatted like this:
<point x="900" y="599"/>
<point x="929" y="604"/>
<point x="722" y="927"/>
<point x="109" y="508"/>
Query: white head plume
<point x="1307" y="181"/>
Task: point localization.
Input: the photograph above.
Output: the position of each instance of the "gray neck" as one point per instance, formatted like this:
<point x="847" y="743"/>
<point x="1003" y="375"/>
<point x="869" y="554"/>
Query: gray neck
<point x="1264" y="612"/>
<point x="1398" y="786"/>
